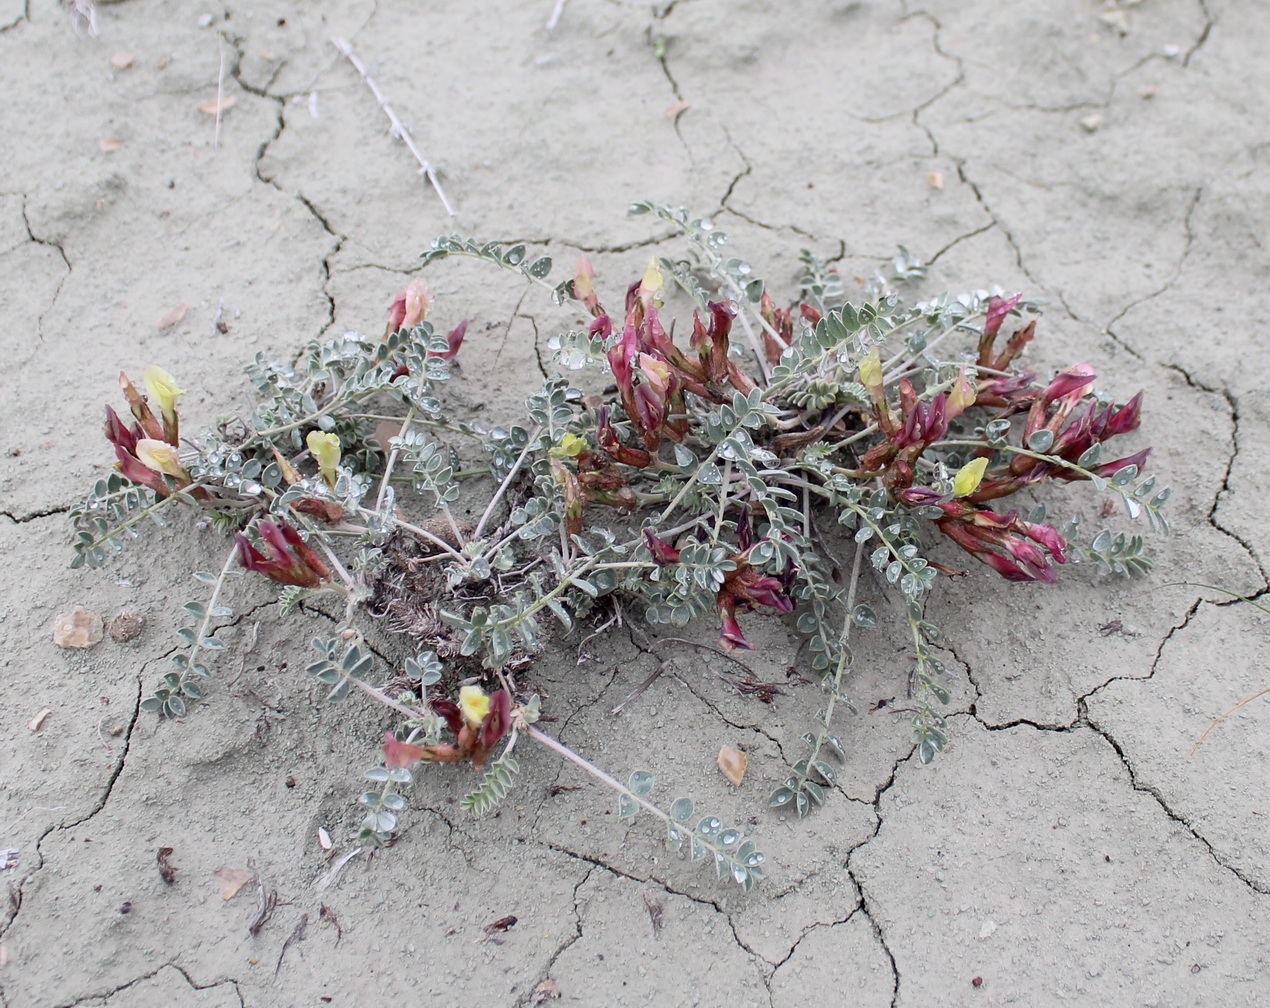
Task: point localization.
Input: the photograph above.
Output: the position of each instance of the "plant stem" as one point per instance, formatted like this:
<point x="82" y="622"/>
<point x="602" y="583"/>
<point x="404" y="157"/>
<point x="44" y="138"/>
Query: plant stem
<point x="201" y="633"/>
<point x="1098" y="481"/>
<point x="421" y="532"/>
<point x="560" y="749"/>
<point x="502" y="487"/>
<point x="392" y="460"/>
<point x="143" y="513"/>
<point x="385" y="699"/>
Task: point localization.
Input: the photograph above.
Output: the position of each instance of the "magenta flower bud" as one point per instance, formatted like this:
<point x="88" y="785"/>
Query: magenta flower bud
<point x="721" y="316"/>
<point x="606" y="435"/>
<point x="1108" y="469"/>
<point x="999" y="309"/>
<point x="1077" y="436"/>
<point x="291" y="560"/>
<point x="455" y="340"/>
<point x="621" y="356"/>
<point x="1048" y="537"/>
<point x="663" y="553"/>
<point x="1069" y="384"/>
<point x="1124" y="419"/>
<point x="1032" y="557"/>
<point x="730" y="636"/>
<point x="118" y="433"/>
<point x="920" y="496"/>
<point x="601" y="326"/>
<point x="999" y="391"/>
<point x="1008" y="570"/>
<point x="765" y="590"/>
<point x="936" y="419"/>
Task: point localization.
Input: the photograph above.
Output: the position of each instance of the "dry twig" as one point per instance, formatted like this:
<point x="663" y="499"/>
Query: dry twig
<point x="398" y="128"/>
<point x="555" y="14"/>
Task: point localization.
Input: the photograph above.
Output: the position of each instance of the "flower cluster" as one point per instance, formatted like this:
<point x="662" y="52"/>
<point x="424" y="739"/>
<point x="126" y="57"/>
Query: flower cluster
<point x="652" y="373"/>
<point x="478" y="721"/>
<point x="147" y="451"/>
<point x="744" y="587"/>
<point x="593" y="479"/>
<point x="410" y="307"/>
<point x="1016" y="549"/>
<point x="290" y="560"/>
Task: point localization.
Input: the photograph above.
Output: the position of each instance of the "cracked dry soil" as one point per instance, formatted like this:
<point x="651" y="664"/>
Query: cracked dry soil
<point x="1068" y="848"/>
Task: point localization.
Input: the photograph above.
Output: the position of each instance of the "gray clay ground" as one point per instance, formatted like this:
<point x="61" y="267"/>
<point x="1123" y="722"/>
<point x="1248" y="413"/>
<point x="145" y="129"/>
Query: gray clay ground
<point x="1068" y="848"/>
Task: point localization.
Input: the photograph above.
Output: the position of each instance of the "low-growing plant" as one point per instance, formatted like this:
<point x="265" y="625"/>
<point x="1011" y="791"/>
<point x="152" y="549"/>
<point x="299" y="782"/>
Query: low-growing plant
<point x="706" y="483"/>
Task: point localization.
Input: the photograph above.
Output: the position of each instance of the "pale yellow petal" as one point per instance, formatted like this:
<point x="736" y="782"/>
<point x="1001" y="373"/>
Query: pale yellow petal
<point x="473" y="705"/>
<point x="969" y="477"/>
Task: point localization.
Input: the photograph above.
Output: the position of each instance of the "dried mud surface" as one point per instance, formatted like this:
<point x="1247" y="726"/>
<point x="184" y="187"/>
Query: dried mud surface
<point x="1068" y="848"/>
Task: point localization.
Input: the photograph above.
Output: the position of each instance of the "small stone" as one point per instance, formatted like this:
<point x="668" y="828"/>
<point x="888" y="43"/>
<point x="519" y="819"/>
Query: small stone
<point x="126" y="625"/>
<point x="1116" y="20"/>
<point x="205" y="20"/>
<point x="732" y="763"/>
<point x="1091" y="122"/>
<point x="1147" y="91"/>
<point x="79" y="628"/>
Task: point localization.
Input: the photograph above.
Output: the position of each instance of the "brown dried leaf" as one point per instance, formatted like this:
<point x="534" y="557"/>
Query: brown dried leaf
<point x="121" y="60"/>
<point x="547" y="990"/>
<point x="37" y="722"/>
<point x="733" y="763"/>
<point x="167" y="870"/>
<point x="110" y="144"/>
<point x="79" y="628"/>
<point x="172" y="316"/>
<point x="327" y="916"/>
<point x="655" y="911"/>
<point x="502" y="924"/>
<point x="231" y="881"/>
<point x="217" y="107"/>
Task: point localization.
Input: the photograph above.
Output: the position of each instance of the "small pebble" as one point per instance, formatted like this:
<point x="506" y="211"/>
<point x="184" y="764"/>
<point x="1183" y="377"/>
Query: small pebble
<point x="79" y="628"/>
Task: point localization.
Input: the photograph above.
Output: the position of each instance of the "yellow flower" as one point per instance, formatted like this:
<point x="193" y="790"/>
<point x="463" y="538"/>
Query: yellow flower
<point x="570" y="446"/>
<point x="652" y="281"/>
<point x="962" y="395"/>
<point x="969" y="477"/>
<point x="871" y="369"/>
<point x="473" y="705"/>
<point x="161" y="388"/>
<point x="325" y="449"/>
<point x="161" y="457"/>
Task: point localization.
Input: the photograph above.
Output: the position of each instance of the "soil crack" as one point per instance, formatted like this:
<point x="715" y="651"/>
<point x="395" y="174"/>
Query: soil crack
<point x="1168" y="810"/>
<point x="107" y="995"/>
<point x="22" y="519"/>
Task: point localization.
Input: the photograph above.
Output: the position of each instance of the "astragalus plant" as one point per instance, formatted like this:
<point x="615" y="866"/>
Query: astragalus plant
<point x="704" y="485"/>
